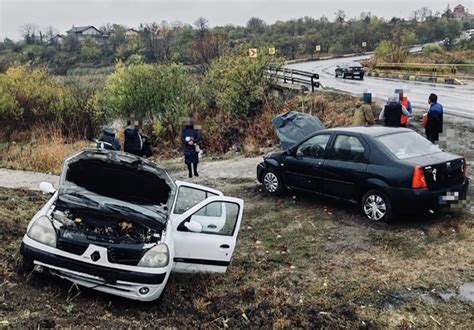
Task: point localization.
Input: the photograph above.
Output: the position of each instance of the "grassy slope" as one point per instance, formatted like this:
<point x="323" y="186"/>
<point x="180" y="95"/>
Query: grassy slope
<point x="299" y="262"/>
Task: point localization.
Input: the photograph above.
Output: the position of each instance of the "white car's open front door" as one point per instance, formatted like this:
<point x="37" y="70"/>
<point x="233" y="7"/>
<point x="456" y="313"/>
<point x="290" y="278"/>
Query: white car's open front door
<point x="205" y="233"/>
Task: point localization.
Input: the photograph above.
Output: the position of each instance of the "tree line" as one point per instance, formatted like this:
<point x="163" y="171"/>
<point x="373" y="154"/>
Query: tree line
<point x="198" y="44"/>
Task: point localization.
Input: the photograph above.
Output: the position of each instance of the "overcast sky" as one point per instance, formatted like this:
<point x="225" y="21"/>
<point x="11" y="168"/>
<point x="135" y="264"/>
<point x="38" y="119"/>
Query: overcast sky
<point x="62" y="14"/>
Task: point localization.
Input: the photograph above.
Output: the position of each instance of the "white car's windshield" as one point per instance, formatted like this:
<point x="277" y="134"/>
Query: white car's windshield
<point x="408" y="145"/>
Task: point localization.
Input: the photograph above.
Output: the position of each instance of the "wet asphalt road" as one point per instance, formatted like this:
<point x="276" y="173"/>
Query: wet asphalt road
<point x="456" y="99"/>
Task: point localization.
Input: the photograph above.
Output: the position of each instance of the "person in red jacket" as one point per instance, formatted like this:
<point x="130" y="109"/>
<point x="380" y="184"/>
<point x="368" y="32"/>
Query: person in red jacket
<point x="405" y="103"/>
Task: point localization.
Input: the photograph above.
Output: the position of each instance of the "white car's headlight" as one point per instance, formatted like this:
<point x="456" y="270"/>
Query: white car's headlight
<point x="157" y="256"/>
<point x="43" y="231"/>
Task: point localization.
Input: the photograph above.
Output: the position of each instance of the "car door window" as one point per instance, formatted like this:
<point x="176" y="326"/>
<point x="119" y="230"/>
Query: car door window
<point x="348" y="148"/>
<point x="188" y="197"/>
<point x="313" y="147"/>
<point x="219" y="218"/>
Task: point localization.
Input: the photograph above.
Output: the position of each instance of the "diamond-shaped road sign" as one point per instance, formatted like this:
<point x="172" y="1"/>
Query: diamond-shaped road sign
<point x="253" y="52"/>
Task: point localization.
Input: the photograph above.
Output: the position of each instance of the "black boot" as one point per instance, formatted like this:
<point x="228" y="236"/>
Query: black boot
<point x="195" y="165"/>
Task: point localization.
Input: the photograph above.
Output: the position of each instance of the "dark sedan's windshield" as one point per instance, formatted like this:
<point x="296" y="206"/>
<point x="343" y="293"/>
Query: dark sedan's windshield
<point x="408" y="145"/>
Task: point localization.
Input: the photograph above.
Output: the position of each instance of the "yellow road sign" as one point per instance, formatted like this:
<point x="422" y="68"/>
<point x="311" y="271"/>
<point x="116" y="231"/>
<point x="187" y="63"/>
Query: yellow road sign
<point x="253" y="52"/>
<point x="318" y="48"/>
<point x="271" y="51"/>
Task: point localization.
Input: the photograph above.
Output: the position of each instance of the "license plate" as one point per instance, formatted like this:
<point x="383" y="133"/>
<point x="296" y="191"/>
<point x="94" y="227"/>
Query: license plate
<point x="449" y="197"/>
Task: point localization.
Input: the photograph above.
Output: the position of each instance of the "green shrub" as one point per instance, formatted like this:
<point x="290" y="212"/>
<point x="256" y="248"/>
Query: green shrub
<point x="236" y="85"/>
<point x="154" y="92"/>
<point x="32" y="98"/>
<point x="432" y="49"/>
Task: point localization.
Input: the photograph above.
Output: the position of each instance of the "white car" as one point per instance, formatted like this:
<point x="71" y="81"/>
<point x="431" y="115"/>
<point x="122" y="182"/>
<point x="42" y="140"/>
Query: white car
<point x="119" y="224"/>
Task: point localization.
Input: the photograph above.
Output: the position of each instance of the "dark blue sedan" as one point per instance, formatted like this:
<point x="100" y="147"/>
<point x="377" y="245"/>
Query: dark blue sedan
<point x="384" y="170"/>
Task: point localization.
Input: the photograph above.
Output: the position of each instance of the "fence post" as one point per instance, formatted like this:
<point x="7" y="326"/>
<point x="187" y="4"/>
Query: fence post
<point x="312" y="83"/>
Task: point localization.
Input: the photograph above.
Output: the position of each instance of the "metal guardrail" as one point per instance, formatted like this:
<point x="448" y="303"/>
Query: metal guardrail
<point x="465" y="71"/>
<point x="294" y="76"/>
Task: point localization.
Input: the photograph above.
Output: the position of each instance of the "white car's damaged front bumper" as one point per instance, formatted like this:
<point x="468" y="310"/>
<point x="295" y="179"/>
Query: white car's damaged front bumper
<point x="138" y="283"/>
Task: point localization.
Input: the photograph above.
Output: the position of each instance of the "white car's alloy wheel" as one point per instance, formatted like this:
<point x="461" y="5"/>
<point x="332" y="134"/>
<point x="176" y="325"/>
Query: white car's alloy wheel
<point x="375" y="207"/>
<point x="270" y="181"/>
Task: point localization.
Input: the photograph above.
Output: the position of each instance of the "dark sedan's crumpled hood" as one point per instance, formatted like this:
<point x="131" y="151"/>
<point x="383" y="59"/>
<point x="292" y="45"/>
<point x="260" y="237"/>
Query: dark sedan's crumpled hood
<point x="292" y="127"/>
<point x="116" y="175"/>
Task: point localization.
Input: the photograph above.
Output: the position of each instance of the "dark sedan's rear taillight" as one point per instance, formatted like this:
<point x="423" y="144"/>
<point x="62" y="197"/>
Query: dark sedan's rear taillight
<point x="418" y="181"/>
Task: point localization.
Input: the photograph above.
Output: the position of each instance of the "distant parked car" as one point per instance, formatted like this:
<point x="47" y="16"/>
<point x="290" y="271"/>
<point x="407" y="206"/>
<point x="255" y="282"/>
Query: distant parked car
<point x="382" y="169"/>
<point x="352" y="70"/>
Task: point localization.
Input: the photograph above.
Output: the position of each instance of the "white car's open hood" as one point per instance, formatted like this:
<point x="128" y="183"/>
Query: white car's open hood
<point x="117" y="175"/>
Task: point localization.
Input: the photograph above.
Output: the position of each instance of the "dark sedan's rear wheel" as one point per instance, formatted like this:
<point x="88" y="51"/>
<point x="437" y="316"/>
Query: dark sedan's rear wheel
<point x="376" y="206"/>
<point x="272" y="182"/>
<point x="336" y="74"/>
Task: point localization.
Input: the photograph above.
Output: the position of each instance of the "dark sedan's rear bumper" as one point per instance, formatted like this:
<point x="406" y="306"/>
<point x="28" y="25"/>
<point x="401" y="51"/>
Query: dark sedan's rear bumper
<point x="406" y="201"/>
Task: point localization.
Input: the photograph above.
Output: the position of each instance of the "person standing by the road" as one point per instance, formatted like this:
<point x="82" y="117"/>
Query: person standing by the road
<point x="191" y="137"/>
<point x="133" y="141"/>
<point x="434" y="124"/>
<point x="392" y="112"/>
<point x="363" y="114"/>
<point x="407" y="104"/>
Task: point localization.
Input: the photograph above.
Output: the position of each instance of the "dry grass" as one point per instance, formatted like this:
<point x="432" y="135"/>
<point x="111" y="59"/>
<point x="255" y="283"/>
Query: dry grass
<point x="299" y="262"/>
<point x="333" y="108"/>
<point x="44" y="153"/>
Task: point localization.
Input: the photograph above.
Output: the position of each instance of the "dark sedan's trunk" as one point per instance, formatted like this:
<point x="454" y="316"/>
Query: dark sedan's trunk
<point x="442" y="170"/>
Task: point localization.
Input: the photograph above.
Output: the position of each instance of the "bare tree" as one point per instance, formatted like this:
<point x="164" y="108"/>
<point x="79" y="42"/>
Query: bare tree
<point x="49" y="32"/>
<point x="340" y="16"/>
<point x="28" y="32"/>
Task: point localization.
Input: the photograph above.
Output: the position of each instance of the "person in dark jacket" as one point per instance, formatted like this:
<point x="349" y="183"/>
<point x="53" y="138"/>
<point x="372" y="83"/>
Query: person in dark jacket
<point x="392" y="112"/>
<point x="191" y="137"/>
<point x="434" y="126"/>
<point x="108" y="140"/>
<point x="133" y="140"/>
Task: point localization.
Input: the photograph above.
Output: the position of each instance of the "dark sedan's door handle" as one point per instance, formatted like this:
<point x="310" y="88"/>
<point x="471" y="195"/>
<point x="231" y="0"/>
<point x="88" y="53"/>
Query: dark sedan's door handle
<point x="224" y="246"/>
<point x="318" y="165"/>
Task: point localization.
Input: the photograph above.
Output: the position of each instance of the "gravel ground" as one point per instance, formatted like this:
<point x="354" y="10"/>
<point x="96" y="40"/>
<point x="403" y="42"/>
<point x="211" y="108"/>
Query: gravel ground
<point x="236" y="168"/>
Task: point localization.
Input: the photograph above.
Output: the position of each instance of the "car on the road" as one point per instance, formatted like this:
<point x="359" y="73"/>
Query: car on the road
<point x="120" y="224"/>
<point x="383" y="170"/>
<point x="352" y="70"/>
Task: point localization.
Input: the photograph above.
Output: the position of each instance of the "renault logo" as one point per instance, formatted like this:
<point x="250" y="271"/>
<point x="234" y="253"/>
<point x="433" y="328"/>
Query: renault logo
<point x="434" y="174"/>
<point x="95" y="256"/>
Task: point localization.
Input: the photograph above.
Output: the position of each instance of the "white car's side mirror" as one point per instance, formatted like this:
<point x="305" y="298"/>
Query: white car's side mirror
<point x="193" y="226"/>
<point x="47" y="188"/>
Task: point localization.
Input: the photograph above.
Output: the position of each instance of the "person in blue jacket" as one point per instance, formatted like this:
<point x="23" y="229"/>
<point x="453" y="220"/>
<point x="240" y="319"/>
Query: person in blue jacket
<point x="191" y="137"/>
<point x="434" y="125"/>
